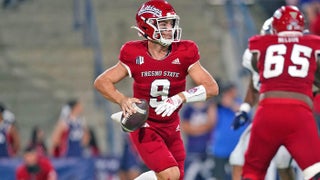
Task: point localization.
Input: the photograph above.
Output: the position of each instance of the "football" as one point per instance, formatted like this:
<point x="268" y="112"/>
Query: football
<point x="136" y="120"/>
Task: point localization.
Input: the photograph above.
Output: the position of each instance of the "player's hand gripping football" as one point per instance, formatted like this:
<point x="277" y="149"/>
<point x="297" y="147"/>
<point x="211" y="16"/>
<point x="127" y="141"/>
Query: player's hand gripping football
<point x="169" y="105"/>
<point x="241" y="119"/>
<point x="126" y="106"/>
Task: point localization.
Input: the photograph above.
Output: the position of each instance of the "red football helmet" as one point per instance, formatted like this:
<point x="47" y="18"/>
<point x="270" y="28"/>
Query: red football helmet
<point x="148" y="17"/>
<point x="288" y="18"/>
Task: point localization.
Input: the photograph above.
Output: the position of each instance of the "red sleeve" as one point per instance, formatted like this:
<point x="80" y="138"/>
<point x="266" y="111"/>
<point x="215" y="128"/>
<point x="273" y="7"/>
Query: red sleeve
<point x="253" y="43"/>
<point x="196" y="56"/>
<point x="125" y="55"/>
<point x="21" y="173"/>
<point x="193" y="54"/>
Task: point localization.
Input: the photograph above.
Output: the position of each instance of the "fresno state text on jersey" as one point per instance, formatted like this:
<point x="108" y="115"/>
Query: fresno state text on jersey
<point x="156" y="80"/>
<point x="286" y="63"/>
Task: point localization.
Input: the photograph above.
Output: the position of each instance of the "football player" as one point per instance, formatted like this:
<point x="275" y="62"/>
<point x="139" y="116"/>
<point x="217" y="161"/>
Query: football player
<point x="159" y="66"/>
<point x="288" y="65"/>
<point x="282" y="159"/>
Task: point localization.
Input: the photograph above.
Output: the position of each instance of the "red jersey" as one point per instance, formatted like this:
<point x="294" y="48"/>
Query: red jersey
<point x="46" y="169"/>
<point x="286" y="63"/>
<point x="156" y="80"/>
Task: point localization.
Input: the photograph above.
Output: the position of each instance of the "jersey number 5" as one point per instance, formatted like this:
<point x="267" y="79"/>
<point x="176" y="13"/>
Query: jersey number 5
<point x="159" y="88"/>
<point x="274" y="61"/>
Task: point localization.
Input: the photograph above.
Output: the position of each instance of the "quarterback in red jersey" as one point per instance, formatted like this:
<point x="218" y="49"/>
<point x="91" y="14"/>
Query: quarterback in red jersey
<point x="158" y="66"/>
<point x="288" y="64"/>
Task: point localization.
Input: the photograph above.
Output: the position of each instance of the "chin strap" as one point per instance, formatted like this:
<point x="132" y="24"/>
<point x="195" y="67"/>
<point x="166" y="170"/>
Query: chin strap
<point x="141" y="33"/>
<point x="195" y="94"/>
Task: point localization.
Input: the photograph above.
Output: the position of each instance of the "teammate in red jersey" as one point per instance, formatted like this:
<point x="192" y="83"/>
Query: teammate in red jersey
<point x="287" y="63"/>
<point x="158" y="66"/>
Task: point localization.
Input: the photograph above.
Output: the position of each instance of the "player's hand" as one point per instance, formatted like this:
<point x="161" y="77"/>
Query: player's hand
<point x="126" y="106"/>
<point x="168" y="106"/>
<point x="241" y="119"/>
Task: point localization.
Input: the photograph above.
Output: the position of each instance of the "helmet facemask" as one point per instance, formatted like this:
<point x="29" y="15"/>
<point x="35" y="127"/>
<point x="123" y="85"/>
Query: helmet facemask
<point x="267" y="27"/>
<point x="165" y="35"/>
<point x="159" y="31"/>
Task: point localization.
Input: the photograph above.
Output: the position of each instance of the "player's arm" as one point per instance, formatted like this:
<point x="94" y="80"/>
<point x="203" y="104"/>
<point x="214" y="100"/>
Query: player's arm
<point x="202" y="77"/>
<point x="86" y="137"/>
<point x="207" y="87"/>
<point x="249" y="61"/>
<point x="251" y="98"/>
<point x="56" y="135"/>
<point x="252" y="95"/>
<point x="15" y="138"/>
<point x="254" y="61"/>
<point x="105" y="84"/>
<point x="188" y="128"/>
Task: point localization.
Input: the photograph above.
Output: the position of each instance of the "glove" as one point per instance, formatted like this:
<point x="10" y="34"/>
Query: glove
<point x="117" y="116"/>
<point x="241" y="119"/>
<point x="168" y="106"/>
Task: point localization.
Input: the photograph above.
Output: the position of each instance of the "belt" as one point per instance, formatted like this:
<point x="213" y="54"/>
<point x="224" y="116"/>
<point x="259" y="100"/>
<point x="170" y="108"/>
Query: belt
<point x="285" y="94"/>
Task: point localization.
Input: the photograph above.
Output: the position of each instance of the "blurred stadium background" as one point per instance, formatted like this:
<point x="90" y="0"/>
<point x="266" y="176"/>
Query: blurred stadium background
<point x="51" y="51"/>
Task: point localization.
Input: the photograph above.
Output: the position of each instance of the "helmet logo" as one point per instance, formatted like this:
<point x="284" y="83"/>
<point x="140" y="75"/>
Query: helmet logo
<point x="150" y="9"/>
<point x="293" y="15"/>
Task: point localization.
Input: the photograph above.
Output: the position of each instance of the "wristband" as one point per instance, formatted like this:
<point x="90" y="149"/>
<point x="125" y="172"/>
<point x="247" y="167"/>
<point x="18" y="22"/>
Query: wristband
<point x="245" y="107"/>
<point x="195" y="94"/>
